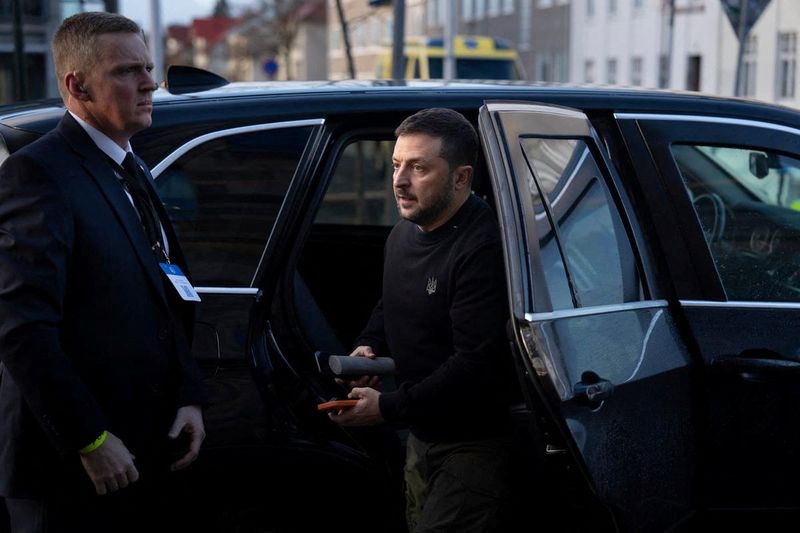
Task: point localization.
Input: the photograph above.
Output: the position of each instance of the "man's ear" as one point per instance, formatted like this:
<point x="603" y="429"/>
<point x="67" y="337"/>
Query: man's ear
<point x="75" y="85"/>
<point x="463" y="177"/>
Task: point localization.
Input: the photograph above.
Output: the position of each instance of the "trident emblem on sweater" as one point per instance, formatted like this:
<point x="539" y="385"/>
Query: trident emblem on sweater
<point x="431" y="288"/>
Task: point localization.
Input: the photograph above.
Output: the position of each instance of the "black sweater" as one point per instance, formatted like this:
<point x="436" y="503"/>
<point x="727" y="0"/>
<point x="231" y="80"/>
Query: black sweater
<point x="442" y="318"/>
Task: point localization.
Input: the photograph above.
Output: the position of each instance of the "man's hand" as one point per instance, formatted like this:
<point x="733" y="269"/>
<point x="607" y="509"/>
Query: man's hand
<point x="189" y="420"/>
<point x="110" y="467"/>
<point x="363" y="381"/>
<point x="366" y="412"/>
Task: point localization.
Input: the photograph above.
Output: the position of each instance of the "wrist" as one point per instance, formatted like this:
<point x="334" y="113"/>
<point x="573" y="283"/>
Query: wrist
<point x="94" y="444"/>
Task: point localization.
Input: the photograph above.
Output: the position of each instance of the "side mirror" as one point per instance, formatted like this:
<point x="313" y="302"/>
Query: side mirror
<point x="759" y="164"/>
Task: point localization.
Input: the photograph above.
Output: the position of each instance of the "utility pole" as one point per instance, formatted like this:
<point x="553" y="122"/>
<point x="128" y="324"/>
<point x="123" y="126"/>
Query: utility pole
<point x="351" y="68"/>
<point x="449" y="37"/>
<point x="156" y="41"/>
<point x="670" y="5"/>
<point x="741" y="33"/>
<point x="398" y="39"/>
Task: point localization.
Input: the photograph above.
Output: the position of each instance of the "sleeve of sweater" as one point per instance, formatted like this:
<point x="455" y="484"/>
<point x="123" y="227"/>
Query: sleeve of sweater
<point x="478" y="312"/>
<point x="373" y="334"/>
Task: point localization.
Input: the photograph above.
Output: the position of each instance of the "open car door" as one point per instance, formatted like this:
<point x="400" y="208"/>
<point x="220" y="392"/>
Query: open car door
<point x="600" y="348"/>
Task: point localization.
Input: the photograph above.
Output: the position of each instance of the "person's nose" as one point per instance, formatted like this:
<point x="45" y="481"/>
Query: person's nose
<point x="148" y="82"/>
<point x="400" y="178"/>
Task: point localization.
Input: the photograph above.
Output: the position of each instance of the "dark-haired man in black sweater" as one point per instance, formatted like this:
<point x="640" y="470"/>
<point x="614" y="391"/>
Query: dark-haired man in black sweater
<point x="442" y="318"/>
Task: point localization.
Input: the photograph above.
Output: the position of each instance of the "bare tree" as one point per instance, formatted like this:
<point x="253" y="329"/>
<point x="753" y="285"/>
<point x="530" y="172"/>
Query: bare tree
<point x="276" y="35"/>
<point x="221" y="9"/>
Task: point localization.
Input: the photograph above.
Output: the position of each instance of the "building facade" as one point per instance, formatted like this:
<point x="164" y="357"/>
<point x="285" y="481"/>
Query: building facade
<point x="770" y="57"/>
<point x="645" y="43"/>
<point x="370" y="31"/>
<point x="538" y="29"/>
<point x="40" y="19"/>
<point x="686" y="45"/>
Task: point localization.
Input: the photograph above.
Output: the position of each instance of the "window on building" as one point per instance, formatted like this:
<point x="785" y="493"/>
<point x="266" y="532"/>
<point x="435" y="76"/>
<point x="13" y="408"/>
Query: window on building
<point x="467" y="11"/>
<point x="432" y="12"/>
<point x="636" y="70"/>
<point x="388" y="28"/>
<point x="480" y="9"/>
<point x="508" y="7"/>
<point x="588" y="71"/>
<point x="749" y="66"/>
<point x="663" y="71"/>
<point x="544" y="4"/>
<point x="787" y="64"/>
<point x="589" y="8"/>
<point x="638" y="4"/>
<point x="693" y="64"/>
<point x="543" y="67"/>
<point x="612" y="7"/>
<point x="493" y="8"/>
<point x="374" y="32"/>
<point x="611" y="71"/>
<point x="335" y="39"/>
<point x="359" y="35"/>
<point x="560" y="66"/>
<point x="30" y="9"/>
<point x="525" y="19"/>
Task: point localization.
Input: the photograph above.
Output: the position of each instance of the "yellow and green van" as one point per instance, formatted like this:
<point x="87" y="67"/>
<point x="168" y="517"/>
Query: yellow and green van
<point x="477" y="57"/>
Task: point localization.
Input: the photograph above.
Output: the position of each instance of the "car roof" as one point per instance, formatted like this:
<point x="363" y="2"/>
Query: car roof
<point x="354" y="96"/>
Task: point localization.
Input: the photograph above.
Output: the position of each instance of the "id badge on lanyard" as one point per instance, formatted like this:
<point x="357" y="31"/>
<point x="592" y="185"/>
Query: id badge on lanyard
<point x="179" y="281"/>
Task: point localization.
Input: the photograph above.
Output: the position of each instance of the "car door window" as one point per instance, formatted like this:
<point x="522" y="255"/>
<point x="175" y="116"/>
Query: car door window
<point x="589" y="249"/>
<point x="350" y="227"/>
<point x="360" y="190"/>
<point x="587" y="259"/>
<point x="223" y="196"/>
<point x="748" y="204"/>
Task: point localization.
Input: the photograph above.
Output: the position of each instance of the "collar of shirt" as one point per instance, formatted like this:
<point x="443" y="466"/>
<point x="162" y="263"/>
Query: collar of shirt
<point x="117" y="154"/>
<point x="106" y="145"/>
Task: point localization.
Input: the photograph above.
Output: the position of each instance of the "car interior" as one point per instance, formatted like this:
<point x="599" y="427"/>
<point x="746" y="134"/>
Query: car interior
<point x="745" y="201"/>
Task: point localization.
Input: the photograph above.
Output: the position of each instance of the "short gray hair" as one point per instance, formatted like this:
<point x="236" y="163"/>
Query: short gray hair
<point x="74" y="45"/>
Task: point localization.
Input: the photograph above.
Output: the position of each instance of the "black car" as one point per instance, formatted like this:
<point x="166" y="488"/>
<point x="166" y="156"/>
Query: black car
<point x="652" y="246"/>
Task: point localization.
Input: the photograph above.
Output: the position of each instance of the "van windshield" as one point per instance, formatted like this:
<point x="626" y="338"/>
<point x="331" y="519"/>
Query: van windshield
<point x="475" y="69"/>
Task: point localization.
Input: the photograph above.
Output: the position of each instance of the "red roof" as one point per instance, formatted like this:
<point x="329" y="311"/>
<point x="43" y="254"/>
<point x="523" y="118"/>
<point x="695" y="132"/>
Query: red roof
<point x="179" y="33"/>
<point x="213" y="29"/>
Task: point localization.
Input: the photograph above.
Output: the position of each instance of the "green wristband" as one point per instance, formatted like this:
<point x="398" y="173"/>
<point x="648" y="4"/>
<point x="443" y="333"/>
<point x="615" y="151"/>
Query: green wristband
<point x="96" y="444"/>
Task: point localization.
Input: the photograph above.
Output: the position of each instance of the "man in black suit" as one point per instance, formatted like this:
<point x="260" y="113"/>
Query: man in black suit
<point x="96" y="378"/>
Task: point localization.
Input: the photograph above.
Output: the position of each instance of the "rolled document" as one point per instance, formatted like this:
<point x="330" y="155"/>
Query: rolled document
<point x="345" y="365"/>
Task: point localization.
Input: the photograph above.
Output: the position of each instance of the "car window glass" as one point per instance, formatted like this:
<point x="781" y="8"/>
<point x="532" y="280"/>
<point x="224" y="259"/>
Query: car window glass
<point x="360" y="191"/>
<point x="591" y="241"/>
<point x="748" y="204"/>
<point x="223" y="197"/>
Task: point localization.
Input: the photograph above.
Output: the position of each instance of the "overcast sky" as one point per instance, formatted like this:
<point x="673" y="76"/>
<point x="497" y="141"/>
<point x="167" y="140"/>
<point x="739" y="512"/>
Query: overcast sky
<point x="175" y="11"/>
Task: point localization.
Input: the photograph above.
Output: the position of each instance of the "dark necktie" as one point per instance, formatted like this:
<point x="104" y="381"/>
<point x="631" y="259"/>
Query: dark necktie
<point x="134" y="179"/>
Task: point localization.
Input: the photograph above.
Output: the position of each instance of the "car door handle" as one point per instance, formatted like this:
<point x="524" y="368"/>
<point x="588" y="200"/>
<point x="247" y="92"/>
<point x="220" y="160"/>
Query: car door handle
<point x="754" y="366"/>
<point x="593" y="388"/>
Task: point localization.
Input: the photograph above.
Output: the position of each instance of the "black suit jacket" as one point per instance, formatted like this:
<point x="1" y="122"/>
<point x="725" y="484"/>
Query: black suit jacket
<point x="91" y="337"/>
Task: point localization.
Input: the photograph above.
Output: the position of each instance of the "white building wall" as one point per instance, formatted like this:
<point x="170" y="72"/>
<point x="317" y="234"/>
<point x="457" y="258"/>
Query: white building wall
<point x="621" y="35"/>
<point x="699" y="26"/>
<point x="781" y="16"/>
